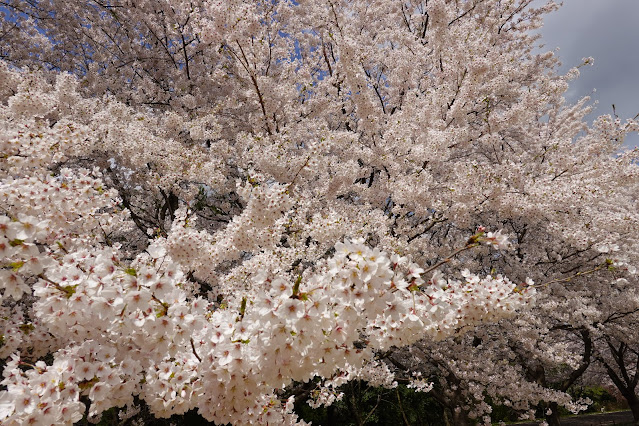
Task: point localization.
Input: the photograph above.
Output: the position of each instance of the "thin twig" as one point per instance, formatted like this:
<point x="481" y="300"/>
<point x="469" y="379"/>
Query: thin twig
<point x="298" y="172"/>
<point x="450" y="257"/>
<point x="194" y="351"/>
<point x="578" y="274"/>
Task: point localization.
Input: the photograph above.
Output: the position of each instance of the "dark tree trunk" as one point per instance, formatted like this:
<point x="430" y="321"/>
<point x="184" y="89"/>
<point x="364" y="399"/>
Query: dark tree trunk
<point x="553" y="418"/>
<point x="633" y="403"/>
<point x="457" y="418"/>
<point x="624" y="379"/>
<point x="353" y="406"/>
<point x="330" y="415"/>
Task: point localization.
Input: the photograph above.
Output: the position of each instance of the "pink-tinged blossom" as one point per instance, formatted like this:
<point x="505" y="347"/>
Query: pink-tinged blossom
<point x="244" y="210"/>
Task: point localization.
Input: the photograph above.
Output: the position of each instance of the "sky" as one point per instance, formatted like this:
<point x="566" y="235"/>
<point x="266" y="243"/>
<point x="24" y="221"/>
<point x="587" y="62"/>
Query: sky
<point x="607" y="30"/>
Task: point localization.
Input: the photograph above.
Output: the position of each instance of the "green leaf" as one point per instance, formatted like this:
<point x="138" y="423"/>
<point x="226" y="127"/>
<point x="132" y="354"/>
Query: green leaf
<point x="69" y="290"/>
<point x="296" y="287"/>
<point x="26" y="328"/>
<point x="16" y="265"/>
<point x="242" y="308"/>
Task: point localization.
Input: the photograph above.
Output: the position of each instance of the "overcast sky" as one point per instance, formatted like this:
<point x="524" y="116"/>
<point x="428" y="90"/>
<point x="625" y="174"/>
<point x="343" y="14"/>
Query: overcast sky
<point x="607" y="30"/>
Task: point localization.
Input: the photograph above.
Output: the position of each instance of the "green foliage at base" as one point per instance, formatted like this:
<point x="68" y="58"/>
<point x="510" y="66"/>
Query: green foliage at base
<point x="365" y="405"/>
<point x="602" y="399"/>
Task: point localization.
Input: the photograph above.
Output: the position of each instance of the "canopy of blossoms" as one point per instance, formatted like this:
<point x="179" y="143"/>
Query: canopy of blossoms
<point x="205" y="204"/>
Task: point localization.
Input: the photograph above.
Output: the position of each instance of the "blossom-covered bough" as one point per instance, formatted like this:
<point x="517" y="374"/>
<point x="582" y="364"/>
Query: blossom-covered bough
<point x="206" y="203"/>
<point x="118" y="328"/>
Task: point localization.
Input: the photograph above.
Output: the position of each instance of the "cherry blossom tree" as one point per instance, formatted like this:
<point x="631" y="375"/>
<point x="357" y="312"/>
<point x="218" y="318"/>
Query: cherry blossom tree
<point x="616" y="354"/>
<point x="586" y="299"/>
<point x="209" y="202"/>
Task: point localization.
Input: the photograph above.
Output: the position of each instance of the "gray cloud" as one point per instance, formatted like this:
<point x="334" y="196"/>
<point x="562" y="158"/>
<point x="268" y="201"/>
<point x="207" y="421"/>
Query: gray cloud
<point x="607" y="30"/>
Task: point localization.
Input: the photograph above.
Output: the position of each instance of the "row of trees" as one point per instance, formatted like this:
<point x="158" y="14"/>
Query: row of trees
<point x="233" y="206"/>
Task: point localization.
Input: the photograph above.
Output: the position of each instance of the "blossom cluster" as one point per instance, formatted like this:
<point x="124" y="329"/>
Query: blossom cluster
<point x="134" y="330"/>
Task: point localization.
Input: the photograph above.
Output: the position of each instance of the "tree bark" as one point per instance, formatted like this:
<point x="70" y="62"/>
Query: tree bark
<point x="625" y="380"/>
<point x="633" y="403"/>
<point x="460" y="418"/>
<point x="353" y="406"/>
<point x="553" y="418"/>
